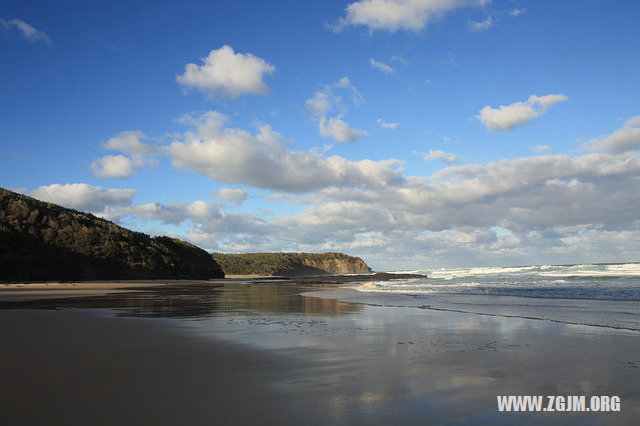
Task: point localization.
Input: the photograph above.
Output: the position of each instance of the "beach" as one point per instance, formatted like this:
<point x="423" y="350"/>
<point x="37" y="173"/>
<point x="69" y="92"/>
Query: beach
<point x="258" y="352"/>
<point x="359" y="212"/>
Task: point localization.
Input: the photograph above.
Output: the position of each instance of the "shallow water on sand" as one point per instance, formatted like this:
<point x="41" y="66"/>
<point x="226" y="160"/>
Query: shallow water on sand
<point x="329" y="361"/>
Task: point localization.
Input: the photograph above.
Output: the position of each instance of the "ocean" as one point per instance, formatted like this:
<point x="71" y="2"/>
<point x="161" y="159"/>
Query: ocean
<point x="603" y="295"/>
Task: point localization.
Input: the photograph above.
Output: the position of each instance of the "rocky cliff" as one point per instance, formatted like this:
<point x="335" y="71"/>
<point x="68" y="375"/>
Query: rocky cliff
<point x="290" y="264"/>
<point x="43" y="242"/>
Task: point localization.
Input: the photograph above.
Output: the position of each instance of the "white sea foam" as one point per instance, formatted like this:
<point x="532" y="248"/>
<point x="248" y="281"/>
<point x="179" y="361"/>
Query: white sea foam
<point x="597" y="294"/>
<point x="589" y="282"/>
<point x="583" y="270"/>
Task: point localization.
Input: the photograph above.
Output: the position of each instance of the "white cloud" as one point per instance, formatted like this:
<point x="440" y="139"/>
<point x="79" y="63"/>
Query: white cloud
<point x="230" y="194"/>
<point x="212" y="228"/>
<point x="544" y="149"/>
<point x="517" y="12"/>
<point x="345" y="84"/>
<point x="472" y="236"/>
<point x="337" y="129"/>
<point x="552" y="197"/>
<point x="393" y="15"/>
<point x="622" y="140"/>
<point x="385" y="125"/>
<point x="130" y="142"/>
<point x="381" y="66"/>
<point x="319" y="105"/>
<point x="228" y="74"/>
<point x="262" y="160"/>
<point x="26" y="30"/>
<point x="479" y="26"/>
<point x="517" y="114"/>
<point x="547" y="209"/>
<point x="174" y="213"/>
<point x="551" y="208"/>
<point x="119" y="166"/>
<point x="112" y="166"/>
<point x="330" y="98"/>
<point x="81" y="196"/>
<point x="445" y="157"/>
<point x="543" y="209"/>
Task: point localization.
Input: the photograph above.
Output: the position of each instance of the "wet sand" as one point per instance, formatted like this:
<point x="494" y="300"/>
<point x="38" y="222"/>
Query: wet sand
<point x="204" y="353"/>
<point x="52" y="290"/>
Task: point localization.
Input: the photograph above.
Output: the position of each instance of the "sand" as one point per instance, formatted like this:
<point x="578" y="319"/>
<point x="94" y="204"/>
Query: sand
<point x="262" y="354"/>
<point x="31" y="291"/>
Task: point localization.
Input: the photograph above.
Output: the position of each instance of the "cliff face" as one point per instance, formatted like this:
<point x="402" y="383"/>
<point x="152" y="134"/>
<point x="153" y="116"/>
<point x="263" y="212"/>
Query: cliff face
<point x="290" y="264"/>
<point x="44" y="241"/>
<point x="336" y="263"/>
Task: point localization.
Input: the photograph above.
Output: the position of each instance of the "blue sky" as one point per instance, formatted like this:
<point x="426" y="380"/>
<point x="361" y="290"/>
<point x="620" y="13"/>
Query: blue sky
<point x="413" y="133"/>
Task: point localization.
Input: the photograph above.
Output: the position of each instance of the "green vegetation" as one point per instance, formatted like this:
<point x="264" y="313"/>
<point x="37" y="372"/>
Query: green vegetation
<point x="42" y="241"/>
<point x="290" y="264"/>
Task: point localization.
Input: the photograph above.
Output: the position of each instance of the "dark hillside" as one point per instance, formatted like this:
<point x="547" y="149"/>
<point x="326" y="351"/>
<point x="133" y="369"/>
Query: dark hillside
<point x="43" y="242"/>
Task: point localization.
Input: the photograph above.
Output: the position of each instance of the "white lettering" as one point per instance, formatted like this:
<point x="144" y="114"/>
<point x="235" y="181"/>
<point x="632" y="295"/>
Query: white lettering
<point x="595" y="403"/>
<point x="615" y="403"/>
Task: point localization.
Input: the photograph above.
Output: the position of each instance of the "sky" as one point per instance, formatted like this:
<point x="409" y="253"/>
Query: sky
<point x="412" y="133"/>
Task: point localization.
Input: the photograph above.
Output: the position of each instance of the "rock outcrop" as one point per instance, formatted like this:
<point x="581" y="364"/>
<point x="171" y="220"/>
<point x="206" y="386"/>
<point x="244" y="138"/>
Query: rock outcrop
<point x="44" y="242"/>
<point x="335" y="263"/>
<point x="291" y="264"/>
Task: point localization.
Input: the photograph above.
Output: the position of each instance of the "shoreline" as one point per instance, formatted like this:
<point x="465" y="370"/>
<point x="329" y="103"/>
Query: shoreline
<point x="592" y="313"/>
<point x="25" y="291"/>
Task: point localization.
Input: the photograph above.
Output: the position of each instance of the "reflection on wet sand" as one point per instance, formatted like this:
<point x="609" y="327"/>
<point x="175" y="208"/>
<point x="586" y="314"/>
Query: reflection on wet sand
<point x="262" y="353"/>
<point x="199" y="299"/>
<point x="280" y="298"/>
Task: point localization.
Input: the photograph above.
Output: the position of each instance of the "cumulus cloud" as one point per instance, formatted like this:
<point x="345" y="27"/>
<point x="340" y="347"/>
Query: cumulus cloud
<point x="385" y="125"/>
<point x="174" y="213"/>
<point x="81" y="196"/>
<point x="211" y="227"/>
<point x="551" y="208"/>
<point x="320" y="104"/>
<point x="536" y="201"/>
<point x="25" y="30"/>
<point x="331" y="97"/>
<point x="112" y="166"/>
<point x="445" y="157"/>
<point x="130" y="142"/>
<point x="338" y="130"/>
<point x="544" y="209"/>
<point x="119" y="166"/>
<point x="262" y="160"/>
<point x="393" y="15"/>
<point x="517" y="114"/>
<point x="387" y="69"/>
<point x="517" y="12"/>
<point x="228" y="74"/>
<point x="479" y="26"/>
<point x="523" y="195"/>
<point x="519" y="178"/>
<point x="622" y="140"/>
<point x="230" y="194"/>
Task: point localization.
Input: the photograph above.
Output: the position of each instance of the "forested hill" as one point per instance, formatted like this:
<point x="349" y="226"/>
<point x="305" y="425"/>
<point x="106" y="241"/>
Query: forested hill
<point x="43" y="242"/>
<point x="290" y="264"/>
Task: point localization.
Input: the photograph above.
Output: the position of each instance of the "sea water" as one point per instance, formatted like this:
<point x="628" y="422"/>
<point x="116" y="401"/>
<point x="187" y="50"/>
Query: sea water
<point x="605" y="295"/>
